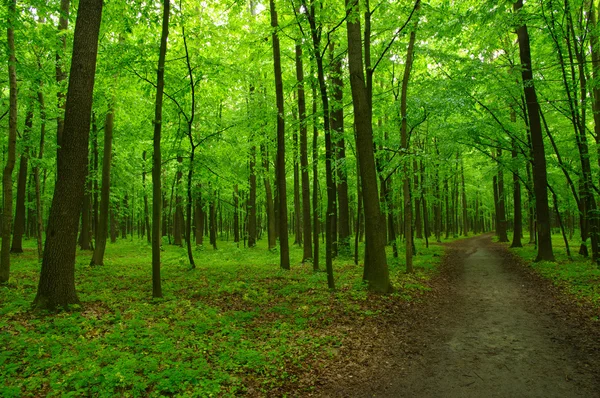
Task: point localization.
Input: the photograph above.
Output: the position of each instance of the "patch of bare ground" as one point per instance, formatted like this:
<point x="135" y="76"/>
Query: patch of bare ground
<point x="489" y="327"/>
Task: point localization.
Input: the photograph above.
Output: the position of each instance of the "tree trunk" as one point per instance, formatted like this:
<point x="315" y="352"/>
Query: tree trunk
<point x="464" y="200"/>
<point x="502" y="223"/>
<point x="101" y="233"/>
<point x="85" y="233"/>
<point x="212" y="218"/>
<point x="417" y="189"/>
<point x="330" y="232"/>
<point x="178" y="216"/>
<point x="271" y="225"/>
<point x="539" y="157"/>
<point x="19" y="227"/>
<point x="284" y="251"/>
<point x="36" y="175"/>
<point x="63" y="25"/>
<point x="518" y="217"/>
<point x="337" y="126"/>
<point x="252" y="200"/>
<point x="57" y="278"/>
<point x="376" y="268"/>
<point x="408" y="238"/>
<point x="12" y="141"/>
<point x="315" y="169"/>
<point x="236" y="214"/>
<point x="157" y="195"/>
<point x="306" y="223"/>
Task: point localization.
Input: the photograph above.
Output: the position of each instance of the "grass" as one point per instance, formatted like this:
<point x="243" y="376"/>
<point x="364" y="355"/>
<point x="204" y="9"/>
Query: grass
<point x="237" y="324"/>
<point x="578" y="275"/>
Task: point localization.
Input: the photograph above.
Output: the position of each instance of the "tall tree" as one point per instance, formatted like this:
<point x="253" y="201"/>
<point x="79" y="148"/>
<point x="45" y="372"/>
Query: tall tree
<point x="306" y="223"/>
<point x="284" y="250"/>
<point x="157" y="197"/>
<point x="57" y="278"/>
<point x="103" y="219"/>
<point x="408" y="236"/>
<point x="540" y="179"/>
<point x="19" y="227"/>
<point x="376" y="268"/>
<point x="7" y="187"/>
<point x="330" y="214"/>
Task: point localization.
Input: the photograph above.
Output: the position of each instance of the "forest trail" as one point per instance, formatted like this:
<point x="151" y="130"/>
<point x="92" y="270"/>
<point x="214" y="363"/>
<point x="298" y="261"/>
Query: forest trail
<point x="499" y="334"/>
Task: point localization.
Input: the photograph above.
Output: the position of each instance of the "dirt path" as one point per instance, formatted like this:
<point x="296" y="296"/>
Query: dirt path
<point x="500" y="334"/>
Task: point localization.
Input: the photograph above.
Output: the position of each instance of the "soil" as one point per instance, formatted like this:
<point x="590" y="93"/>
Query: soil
<point x="489" y="328"/>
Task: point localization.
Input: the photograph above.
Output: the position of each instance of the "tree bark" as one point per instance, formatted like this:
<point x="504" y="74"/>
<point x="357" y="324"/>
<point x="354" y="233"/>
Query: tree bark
<point x="337" y="126"/>
<point x="57" y="278"/>
<point x="157" y="196"/>
<point x="306" y="222"/>
<point x="408" y="238"/>
<point x="284" y="250"/>
<point x="98" y="256"/>
<point x="19" y="226"/>
<point x="539" y="157"/>
<point x="252" y="200"/>
<point x="330" y="216"/>
<point x="12" y="141"/>
<point x="61" y="76"/>
<point x="518" y="216"/>
<point x="376" y="268"/>
<point x="36" y="175"/>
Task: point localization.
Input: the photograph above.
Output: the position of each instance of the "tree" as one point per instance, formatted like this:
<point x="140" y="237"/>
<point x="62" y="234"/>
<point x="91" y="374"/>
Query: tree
<point x="376" y="268"/>
<point x="12" y="141"/>
<point x="284" y="250"/>
<point x="540" y="179"/>
<point x="156" y="156"/>
<point x="102" y="228"/>
<point x="57" y="278"/>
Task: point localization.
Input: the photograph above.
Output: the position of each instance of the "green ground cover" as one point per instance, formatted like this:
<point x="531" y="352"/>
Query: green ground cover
<point x="578" y="276"/>
<point x="236" y="324"/>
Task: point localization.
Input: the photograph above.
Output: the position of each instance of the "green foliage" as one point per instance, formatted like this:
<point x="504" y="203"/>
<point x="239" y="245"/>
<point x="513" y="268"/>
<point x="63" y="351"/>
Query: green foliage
<point x="235" y="322"/>
<point x="577" y="276"/>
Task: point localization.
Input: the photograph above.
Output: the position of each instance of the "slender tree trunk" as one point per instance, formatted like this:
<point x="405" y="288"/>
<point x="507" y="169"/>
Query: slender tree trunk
<point x="178" y="216"/>
<point x="236" y="217"/>
<point x="518" y="217"/>
<point x="376" y="269"/>
<point x="36" y="175"/>
<point x="213" y="221"/>
<point x="61" y="76"/>
<point x="157" y="194"/>
<point x="284" y="251"/>
<point x="330" y="225"/>
<point x="19" y="226"/>
<point x="337" y="126"/>
<point x="306" y="222"/>
<point x="271" y="225"/>
<point x="12" y="141"/>
<point x="146" y="208"/>
<point x="502" y="223"/>
<point x="315" y="169"/>
<point x="252" y="200"/>
<point x="98" y="256"/>
<point x="539" y="157"/>
<point x="57" y="278"/>
<point x="85" y="233"/>
<point x="417" y="189"/>
<point x="408" y="237"/>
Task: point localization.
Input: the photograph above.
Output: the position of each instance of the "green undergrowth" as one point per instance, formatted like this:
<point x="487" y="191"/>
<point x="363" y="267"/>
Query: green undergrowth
<point x="578" y="276"/>
<point x="235" y="325"/>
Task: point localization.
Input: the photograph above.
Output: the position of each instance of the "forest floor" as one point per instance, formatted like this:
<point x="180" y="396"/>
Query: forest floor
<point x="490" y="327"/>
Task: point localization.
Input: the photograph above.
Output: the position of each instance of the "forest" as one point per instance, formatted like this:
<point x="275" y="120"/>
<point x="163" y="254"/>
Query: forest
<point x="204" y="198"/>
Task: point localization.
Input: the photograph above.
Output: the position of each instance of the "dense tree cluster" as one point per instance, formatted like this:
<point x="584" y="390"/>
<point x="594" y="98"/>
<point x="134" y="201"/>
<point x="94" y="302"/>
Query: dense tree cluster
<point x="382" y="122"/>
